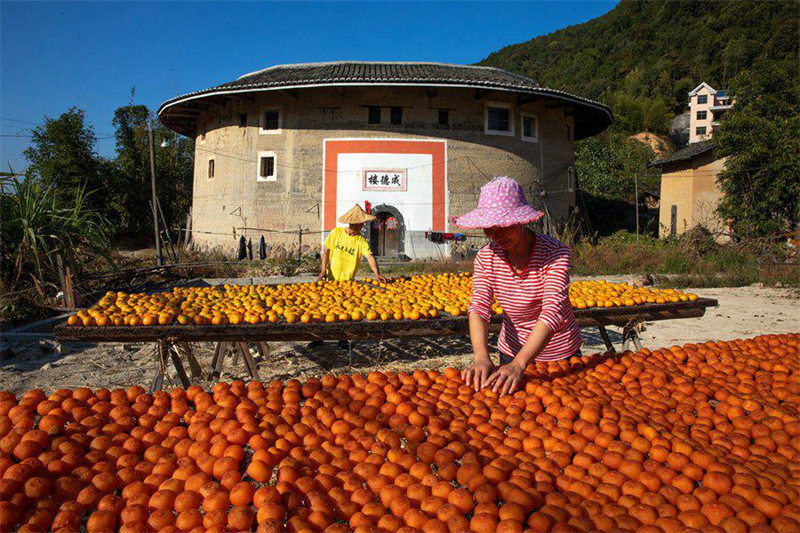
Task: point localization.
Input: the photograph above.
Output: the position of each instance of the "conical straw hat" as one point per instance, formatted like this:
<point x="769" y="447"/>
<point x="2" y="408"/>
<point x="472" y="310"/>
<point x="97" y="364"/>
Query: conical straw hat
<point x="356" y="216"/>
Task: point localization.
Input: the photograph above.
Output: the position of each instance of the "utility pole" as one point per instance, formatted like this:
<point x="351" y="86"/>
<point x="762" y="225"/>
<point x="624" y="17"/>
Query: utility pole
<point x="636" y="200"/>
<point x="154" y="203"/>
<point x="299" y="243"/>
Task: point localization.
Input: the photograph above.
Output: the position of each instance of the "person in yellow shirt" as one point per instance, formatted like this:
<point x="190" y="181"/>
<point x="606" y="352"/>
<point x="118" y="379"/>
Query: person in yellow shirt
<point x="342" y="251"/>
<point x="344" y="248"/>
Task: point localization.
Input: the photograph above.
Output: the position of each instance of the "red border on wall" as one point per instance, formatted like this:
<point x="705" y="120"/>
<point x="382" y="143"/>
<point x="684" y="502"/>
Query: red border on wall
<point x="436" y="149"/>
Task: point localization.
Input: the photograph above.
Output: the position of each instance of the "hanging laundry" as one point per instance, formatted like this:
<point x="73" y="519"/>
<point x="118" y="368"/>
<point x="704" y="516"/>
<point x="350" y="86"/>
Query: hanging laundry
<point x="242" y="253"/>
<point x="437" y="237"/>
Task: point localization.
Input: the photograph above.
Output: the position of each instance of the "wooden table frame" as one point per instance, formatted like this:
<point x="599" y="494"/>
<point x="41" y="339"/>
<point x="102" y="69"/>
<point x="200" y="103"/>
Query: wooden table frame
<point x="173" y="341"/>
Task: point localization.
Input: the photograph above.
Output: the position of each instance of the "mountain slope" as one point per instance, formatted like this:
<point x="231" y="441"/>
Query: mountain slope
<point x="660" y="48"/>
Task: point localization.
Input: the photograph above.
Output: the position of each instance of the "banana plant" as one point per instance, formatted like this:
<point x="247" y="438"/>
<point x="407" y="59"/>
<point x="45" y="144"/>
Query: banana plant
<point x="38" y="225"/>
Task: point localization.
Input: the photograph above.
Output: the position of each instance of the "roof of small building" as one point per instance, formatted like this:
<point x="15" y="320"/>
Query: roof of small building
<point x="179" y="113"/>
<point x="702" y="84"/>
<point x="685" y="154"/>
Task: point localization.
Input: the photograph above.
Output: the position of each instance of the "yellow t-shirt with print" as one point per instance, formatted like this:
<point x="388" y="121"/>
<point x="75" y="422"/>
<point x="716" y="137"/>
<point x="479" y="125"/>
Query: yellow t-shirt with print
<point x="345" y="253"/>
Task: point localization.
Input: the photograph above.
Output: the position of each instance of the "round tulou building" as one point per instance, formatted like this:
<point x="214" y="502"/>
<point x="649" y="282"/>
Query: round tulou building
<point x="292" y="147"/>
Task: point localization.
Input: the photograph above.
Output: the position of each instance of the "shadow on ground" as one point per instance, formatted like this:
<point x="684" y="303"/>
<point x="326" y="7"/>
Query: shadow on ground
<point x="330" y="357"/>
<point x="125" y="364"/>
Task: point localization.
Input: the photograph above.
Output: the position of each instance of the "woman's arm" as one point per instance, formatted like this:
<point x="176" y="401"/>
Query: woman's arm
<point x="508" y="378"/>
<point x="555" y="296"/>
<point x="480" y="311"/>
<point x="476" y="375"/>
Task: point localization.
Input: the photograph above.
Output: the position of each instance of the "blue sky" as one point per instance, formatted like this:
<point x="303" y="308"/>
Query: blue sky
<point x="56" y="55"/>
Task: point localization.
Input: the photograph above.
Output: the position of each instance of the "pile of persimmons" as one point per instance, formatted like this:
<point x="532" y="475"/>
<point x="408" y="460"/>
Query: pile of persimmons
<point x="413" y="298"/>
<point x="701" y="437"/>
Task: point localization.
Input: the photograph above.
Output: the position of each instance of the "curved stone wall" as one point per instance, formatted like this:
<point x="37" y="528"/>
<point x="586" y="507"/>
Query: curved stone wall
<point x="236" y="201"/>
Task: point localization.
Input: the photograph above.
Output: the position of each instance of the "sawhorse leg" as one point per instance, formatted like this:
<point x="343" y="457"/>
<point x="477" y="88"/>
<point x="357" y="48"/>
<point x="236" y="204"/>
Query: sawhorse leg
<point x="251" y="366"/>
<point x="263" y="349"/>
<point x="630" y="333"/>
<point x="184" y="349"/>
<point x="239" y="348"/>
<point x="166" y="351"/>
<point x="176" y="362"/>
<point x="218" y="361"/>
<point x="158" y="379"/>
<point x="215" y="358"/>
<point x="606" y="340"/>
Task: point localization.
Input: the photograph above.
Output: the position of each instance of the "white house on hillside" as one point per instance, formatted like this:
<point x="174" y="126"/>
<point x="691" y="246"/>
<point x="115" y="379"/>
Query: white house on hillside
<point x="706" y="106"/>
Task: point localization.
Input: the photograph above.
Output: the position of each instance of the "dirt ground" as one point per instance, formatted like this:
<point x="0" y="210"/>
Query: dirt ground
<point x="742" y="312"/>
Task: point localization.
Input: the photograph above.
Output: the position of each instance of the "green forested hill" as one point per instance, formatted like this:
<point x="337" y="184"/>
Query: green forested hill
<point x="641" y="59"/>
<point x="659" y="49"/>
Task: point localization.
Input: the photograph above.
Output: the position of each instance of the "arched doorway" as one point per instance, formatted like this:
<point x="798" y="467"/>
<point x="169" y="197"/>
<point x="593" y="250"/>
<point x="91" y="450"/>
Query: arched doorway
<point x="386" y="234"/>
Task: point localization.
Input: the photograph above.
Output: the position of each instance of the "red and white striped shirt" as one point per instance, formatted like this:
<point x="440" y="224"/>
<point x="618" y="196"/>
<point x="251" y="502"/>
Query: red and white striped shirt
<point x="539" y="293"/>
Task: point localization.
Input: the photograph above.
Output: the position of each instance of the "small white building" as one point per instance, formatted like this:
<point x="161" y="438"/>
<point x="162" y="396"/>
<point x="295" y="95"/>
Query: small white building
<point x="706" y="106"/>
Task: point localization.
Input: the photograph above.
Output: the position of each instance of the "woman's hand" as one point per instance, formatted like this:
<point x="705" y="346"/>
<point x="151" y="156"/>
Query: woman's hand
<point x="506" y="379"/>
<point x="476" y="375"/>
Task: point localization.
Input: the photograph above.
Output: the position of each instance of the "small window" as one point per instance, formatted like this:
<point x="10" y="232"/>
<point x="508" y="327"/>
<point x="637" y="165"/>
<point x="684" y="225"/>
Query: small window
<point x="529" y="128"/>
<point x="701" y="130"/>
<point x="396" y="116"/>
<point x="570" y="178"/>
<point x="211" y="169"/>
<point x="702" y="98"/>
<point x="374" y="115"/>
<point x="444" y="117"/>
<point x="203" y="134"/>
<point x="701" y="115"/>
<point x="271" y="117"/>
<point x="330" y="115"/>
<point x="271" y="121"/>
<point x="243" y="120"/>
<point x="498" y="120"/>
<point x="266" y="167"/>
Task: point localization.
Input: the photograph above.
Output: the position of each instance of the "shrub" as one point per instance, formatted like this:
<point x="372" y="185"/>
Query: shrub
<point x="694" y="256"/>
<point x="38" y="225"/>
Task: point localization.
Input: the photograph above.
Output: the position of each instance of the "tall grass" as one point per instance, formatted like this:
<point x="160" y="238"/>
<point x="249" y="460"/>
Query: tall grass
<point x="37" y="225"/>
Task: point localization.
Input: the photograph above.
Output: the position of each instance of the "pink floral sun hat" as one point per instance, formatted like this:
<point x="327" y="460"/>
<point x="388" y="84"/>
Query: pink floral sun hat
<point x="502" y="203"/>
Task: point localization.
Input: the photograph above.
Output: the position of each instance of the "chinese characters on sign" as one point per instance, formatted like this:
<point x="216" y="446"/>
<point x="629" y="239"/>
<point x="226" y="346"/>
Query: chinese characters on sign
<point x="384" y="179"/>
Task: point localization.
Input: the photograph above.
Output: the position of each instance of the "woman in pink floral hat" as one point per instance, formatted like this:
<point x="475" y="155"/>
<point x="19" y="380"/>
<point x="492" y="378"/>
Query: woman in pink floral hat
<point x="528" y="274"/>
